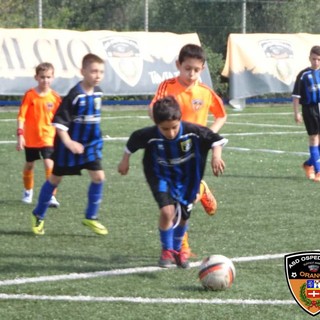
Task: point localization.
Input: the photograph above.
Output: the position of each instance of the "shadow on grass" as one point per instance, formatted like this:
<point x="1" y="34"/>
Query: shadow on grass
<point x="71" y="263"/>
<point x="248" y="176"/>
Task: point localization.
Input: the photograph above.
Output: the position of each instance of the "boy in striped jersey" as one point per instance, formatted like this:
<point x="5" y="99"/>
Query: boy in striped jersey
<point x="196" y="101"/>
<point x="306" y="92"/>
<point x="78" y="144"/>
<point x="174" y="163"/>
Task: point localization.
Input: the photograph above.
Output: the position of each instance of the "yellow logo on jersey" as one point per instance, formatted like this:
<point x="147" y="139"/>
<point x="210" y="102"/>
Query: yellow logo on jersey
<point x="186" y="145"/>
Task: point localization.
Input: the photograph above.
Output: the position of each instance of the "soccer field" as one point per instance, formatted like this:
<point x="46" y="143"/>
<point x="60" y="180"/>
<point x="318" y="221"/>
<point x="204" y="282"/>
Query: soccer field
<point x="266" y="208"/>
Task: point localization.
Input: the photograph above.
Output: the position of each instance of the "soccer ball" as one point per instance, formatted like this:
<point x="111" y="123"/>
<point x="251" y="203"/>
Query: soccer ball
<point x="217" y="272"/>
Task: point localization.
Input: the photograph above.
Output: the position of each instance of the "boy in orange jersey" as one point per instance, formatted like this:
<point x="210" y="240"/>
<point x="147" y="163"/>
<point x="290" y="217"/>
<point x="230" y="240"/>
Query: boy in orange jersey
<point x="196" y="101"/>
<point x="35" y="133"/>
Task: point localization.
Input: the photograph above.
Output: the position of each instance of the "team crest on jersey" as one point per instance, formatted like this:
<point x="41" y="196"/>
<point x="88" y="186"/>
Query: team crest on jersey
<point x="186" y="145"/>
<point x="49" y="105"/>
<point x="303" y="277"/>
<point x="97" y="103"/>
<point x="197" y="104"/>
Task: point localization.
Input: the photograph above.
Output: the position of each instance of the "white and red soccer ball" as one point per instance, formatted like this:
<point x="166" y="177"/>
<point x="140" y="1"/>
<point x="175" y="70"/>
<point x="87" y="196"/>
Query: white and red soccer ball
<point x="217" y="272"/>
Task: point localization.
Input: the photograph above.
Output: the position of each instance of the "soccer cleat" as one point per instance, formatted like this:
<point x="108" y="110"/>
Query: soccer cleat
<point x="317" y="177"/>
<point x="181" y="258"/>
<point x="309" y="171"/>
<point x="167" y="259"/>
<point x="95" y="226"/>
<point x="207" y="199"/>
<point x="37" y="225"/>
<point x="27" y="196"/>
<point x="53" y="203"/>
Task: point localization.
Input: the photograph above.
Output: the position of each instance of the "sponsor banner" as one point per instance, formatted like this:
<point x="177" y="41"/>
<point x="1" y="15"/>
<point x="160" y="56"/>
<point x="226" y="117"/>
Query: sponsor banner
<point x="258" y="64"/>
<point x="303" y="277"/>
<point x="136" y="62"/>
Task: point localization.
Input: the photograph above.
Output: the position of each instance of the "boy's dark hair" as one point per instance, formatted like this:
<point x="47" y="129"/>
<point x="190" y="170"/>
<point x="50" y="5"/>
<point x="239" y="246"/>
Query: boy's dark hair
<point x="90" y="58"/>
<point x="44" y="66"/>
<point x="191" y="51"/>
<point x="315" y="50"/>
<point x="166" y="109"/>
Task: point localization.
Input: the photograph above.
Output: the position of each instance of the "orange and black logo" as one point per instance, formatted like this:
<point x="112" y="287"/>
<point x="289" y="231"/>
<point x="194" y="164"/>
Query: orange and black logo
<point x="303" y="277"/>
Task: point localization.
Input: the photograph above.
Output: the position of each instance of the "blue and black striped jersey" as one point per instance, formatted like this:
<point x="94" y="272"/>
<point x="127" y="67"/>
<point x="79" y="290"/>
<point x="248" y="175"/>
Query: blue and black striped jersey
<point x="177" y="165"/>
<point x="307" y="87"/>
<point x="80" y="115"/>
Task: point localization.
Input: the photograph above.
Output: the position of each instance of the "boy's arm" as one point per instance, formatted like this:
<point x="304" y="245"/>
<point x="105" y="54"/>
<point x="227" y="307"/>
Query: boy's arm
<point x="20" y="137"/>
<point x="296" y="111"/>
<point x="218" y="124"/>
<point x="124" y="164"/>
<point x="73" y="146"/>
<point x="217" y="164"/>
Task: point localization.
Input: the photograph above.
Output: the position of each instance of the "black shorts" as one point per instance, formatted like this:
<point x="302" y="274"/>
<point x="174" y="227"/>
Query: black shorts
<point x="76" y="170"/>
<point x="33" y="154"/>
<point x="164" y="199"/>
<point x="311" y="118"/>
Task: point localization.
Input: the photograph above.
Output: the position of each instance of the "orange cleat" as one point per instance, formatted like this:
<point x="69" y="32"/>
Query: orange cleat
<point x="207" y="199"/>
<point x="317" y="177"/>
<point x="309" y="170"/>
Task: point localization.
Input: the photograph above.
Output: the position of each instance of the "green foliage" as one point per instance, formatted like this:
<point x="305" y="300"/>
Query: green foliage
<point x="212" y="20"/>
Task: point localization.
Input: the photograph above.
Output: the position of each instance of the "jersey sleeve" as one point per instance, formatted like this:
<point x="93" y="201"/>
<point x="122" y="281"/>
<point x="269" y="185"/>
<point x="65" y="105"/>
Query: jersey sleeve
<point x="139" y="139"/>
<point x="217" y="106"/>
<point x="24" y="107"/>
<point x="296" y="92"/>
<point x="63" y="115"/>
<point x="160" y="93"/>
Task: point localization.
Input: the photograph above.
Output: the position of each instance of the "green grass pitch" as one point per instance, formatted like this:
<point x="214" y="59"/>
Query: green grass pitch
<point x="266" y="206"/>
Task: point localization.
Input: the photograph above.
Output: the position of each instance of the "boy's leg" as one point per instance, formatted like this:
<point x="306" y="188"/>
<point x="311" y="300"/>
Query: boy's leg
<point x="209" y="204"/>
<point x="314" y="155"/>
<point x="28" y="182"/>
<point x="40" y="210"/>
<point x="95" y="193"/>
<point x="166" y="233"/>
<point x="46" y="153"/>
<point x="181" y="255"/>
<point x="53" y="201"/>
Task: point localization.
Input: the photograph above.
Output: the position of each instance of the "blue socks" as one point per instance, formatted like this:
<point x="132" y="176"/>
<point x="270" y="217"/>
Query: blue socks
<point x="172" y="238"/>
<point x="94" y="200"/>
<point x="315" y="157"/>
<point x="166" y="239"/>
<point x="44" y="199"/>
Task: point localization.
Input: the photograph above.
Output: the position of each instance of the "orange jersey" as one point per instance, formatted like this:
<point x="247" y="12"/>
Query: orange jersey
<point x="195" y="102"/>
<point x="36" y="112"/>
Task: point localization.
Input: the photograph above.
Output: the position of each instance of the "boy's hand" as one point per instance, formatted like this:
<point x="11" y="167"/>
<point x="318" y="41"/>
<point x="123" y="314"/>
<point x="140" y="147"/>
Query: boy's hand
<point x="123" y="166"/>
<point x="218" y="166"/>
<point x="75" y="147"/>
<point x="21" y="143"/>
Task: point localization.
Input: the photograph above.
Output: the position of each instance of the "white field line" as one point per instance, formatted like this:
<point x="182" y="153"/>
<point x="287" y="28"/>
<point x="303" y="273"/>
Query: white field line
<point x="118" y="272"/>
<point x="140" y="300"/>
<point x="147" y="117"/>
<point x="81" y="298"/>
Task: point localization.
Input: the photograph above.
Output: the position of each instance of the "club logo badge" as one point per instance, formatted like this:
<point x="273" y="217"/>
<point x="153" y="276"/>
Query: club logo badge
<point x="186" y="145"/>
<point x="303" y="277"/>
